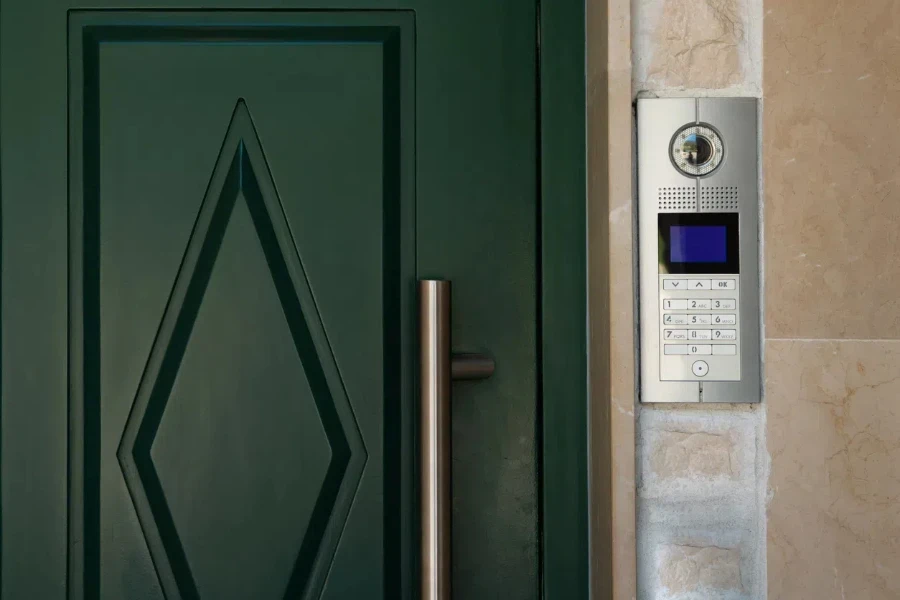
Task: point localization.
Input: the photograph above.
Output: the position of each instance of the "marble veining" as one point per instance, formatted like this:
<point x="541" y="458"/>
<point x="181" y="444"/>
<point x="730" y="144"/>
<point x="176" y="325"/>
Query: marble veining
<point x="834" y="437"/>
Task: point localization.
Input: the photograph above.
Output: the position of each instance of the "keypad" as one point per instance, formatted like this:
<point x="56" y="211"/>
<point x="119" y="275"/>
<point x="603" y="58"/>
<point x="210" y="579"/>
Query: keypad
<point x="700" y="319"/>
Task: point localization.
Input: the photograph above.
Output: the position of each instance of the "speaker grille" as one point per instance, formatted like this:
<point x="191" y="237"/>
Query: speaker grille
<point x="719" y="199"/>
<point x="678" y="199"/>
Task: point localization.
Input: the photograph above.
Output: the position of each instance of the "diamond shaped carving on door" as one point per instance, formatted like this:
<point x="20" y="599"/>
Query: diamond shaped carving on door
<point x="242" y="174"/>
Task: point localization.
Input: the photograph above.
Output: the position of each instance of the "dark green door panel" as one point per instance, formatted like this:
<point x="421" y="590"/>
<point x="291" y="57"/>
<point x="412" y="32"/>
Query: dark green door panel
<point x="208" y="379"/>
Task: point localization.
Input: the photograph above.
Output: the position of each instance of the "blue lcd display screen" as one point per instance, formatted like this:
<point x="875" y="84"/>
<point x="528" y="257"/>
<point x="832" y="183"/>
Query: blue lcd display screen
<point x="698" y="244"/>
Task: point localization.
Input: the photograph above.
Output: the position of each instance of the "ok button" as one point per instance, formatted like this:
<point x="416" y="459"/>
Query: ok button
<point x="700" y="368"/>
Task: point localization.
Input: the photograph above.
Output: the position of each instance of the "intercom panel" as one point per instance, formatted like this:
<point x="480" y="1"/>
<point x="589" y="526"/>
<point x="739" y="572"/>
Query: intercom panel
<point x="698" y="214"/>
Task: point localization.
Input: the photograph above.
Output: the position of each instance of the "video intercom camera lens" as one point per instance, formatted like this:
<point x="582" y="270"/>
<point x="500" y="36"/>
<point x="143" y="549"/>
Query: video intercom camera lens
<point x="697" y="150"/>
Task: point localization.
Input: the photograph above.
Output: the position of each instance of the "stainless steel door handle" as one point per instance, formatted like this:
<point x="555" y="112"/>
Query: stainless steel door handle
<point x="437" y="368"/>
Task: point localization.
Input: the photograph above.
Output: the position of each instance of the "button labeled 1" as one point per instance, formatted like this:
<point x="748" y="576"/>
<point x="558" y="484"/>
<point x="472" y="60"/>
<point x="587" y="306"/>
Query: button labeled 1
<point x="675" y="304"/>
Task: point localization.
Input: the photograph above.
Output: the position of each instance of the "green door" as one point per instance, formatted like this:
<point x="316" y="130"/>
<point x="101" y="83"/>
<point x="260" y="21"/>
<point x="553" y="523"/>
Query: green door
<point x="212" y="227"/>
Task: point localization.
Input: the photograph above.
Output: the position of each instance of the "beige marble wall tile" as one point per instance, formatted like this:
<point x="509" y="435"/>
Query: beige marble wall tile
<point x="834" y="438"/>
<point x="832" y="168"/>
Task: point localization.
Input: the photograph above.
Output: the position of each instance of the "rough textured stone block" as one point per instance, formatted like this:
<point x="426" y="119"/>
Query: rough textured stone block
<point x="694" y="454"/>
<point x="708" y="570"/>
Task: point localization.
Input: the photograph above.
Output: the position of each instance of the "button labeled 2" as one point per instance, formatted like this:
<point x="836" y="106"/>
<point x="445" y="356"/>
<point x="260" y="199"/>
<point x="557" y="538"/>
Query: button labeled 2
<point x="699" y="304"/>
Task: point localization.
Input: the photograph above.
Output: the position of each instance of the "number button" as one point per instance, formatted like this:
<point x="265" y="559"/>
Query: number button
<point x="675" y="319"/>
<point x="700" y="320"/>
<point x="699" y="304"/>
<point x="675" y="334"/>
<point x="724" y="304"/>
<point x="724" y="334"/>
<point x="675" y="304"/>
<point x="724" y="319"/>
<point x="700" y="349"/>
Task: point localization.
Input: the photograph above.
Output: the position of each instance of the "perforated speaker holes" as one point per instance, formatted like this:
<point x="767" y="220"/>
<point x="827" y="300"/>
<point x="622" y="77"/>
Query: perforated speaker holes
<point x="719" y="198"/>
<point x="678" y="199"/>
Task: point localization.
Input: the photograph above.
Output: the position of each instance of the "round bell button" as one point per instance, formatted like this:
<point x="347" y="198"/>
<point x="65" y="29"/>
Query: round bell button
<point x="700" y="368"/>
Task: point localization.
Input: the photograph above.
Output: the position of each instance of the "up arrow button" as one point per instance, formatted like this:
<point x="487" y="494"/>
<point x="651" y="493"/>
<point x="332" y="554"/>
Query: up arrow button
<point x="699" y="284"/>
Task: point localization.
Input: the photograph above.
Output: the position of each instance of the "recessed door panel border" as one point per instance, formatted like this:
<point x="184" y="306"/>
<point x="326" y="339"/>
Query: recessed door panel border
<point x="393" y="31"/>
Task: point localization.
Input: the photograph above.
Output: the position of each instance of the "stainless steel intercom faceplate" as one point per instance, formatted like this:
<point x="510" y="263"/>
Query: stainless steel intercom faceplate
<point x="698" y="213"/>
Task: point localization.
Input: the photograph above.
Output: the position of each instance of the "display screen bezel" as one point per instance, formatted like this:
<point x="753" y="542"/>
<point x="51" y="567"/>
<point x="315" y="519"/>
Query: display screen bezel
<point x="730" y="221"/>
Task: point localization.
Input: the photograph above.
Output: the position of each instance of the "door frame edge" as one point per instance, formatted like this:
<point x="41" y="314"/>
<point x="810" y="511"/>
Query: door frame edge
<point x="563" y="350"/>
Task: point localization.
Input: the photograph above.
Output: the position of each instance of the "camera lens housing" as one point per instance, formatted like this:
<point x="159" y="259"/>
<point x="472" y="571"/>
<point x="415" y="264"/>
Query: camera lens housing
<point x="697" y="150"/>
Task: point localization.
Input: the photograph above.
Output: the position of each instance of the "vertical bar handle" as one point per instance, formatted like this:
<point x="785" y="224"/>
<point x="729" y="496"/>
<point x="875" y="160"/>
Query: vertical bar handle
<point x="434" y="438"/>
